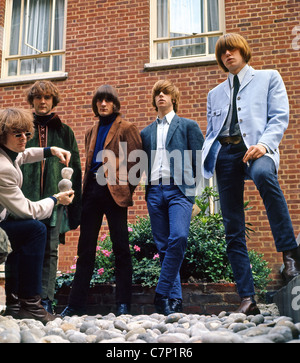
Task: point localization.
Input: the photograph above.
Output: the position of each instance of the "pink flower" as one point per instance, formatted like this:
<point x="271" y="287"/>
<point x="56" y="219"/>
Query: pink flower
<point x="106" y="253"/>
<point x="73" y="267"/>
<point x="130" y="229"/>
<point x="98" y="248"/>
<point x="103" y="237"/>
<point x="137" y="248"/>
<point x="155" y="256"/>
<point x="100" y="271"/>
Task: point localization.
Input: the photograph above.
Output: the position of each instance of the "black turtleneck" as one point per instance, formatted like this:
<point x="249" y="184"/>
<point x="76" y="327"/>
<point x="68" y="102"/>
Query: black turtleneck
<point x="43" y="120"/>
<point x="12" y="154"/>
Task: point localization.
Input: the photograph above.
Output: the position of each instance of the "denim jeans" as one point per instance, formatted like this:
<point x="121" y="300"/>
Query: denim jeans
<point x="23" y="267"/>
<point x="170" y="214"/>
<point x="231" y="174"/>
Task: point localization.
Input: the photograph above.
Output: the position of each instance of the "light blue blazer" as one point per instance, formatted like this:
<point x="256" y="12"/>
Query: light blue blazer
<point x="263" y="115"/>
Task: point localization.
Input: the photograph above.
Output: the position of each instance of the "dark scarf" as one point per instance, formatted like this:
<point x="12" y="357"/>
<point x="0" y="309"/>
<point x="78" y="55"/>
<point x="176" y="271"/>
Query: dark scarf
<point x="43" y="120"/>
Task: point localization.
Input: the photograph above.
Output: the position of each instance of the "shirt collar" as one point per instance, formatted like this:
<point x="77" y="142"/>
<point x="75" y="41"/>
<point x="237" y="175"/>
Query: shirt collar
<point x="169" y="117"/>
<point x="241" y="75"/>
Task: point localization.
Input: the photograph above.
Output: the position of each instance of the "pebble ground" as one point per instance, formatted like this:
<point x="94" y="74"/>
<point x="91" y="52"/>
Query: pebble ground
<point x="268" y="327"/>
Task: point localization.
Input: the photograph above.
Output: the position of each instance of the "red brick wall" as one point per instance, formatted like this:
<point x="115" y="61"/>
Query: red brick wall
<point x="108" y="42"/>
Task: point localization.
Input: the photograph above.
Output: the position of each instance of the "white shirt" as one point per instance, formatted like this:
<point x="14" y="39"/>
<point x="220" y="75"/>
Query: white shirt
<point x="241" y="75"/>
<point x="161" y="165"/>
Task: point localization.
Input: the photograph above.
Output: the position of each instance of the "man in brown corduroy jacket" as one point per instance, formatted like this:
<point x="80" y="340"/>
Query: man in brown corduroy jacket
<point x="106" y="190"/>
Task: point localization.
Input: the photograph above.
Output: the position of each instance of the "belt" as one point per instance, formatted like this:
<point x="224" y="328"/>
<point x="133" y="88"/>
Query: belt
<point x="235" y="140"/>
<point x="163" y="181"/>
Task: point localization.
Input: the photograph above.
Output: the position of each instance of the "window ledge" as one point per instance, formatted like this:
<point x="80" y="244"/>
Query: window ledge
<point x="32" y="78"/>
<point x="180" y="63"/>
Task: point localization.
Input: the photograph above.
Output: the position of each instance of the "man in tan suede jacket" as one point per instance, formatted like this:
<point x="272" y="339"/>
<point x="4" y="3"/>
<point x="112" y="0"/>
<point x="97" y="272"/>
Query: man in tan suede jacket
<point x="106" y="190"/>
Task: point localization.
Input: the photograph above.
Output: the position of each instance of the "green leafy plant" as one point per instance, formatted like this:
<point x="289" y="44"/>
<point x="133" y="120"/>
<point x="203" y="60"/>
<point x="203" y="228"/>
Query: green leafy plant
<point x="205" y="258"/>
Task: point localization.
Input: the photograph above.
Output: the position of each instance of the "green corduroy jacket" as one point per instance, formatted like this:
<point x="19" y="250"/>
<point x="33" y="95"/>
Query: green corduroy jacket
<point x="60" y="135"/>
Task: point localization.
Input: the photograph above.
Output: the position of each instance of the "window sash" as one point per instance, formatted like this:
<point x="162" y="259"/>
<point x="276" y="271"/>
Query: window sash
<point x="35" y="37"/>
<point x="175" y="37"/>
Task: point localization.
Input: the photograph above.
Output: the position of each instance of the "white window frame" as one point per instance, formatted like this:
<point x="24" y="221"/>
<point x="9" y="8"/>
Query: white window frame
<point x="17" y="79"/>
<point x="186" y="60"/>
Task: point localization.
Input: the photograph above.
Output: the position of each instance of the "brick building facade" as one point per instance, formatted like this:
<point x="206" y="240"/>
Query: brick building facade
<point x="112" y="42"/>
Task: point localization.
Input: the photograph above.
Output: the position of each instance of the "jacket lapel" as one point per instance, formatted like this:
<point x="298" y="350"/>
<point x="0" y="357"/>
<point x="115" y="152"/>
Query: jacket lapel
<point x="153" y="135"/>
<point x="248" y="78"/>
<point x="173" y="126"/>
<point x="112" y="131"/>
<point x="227" y="88"/>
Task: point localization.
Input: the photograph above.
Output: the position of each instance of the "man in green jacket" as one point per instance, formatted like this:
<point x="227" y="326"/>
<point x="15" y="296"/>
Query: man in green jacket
<point x="41" y="179"/>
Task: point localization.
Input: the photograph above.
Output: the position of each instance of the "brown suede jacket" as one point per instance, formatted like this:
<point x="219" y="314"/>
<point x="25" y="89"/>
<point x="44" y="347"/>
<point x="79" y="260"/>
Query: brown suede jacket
<point x="121" y="131"/>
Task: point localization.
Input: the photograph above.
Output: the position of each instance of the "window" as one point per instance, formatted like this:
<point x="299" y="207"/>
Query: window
<point x="185" y="29"/>
<point x="34" y="37"/>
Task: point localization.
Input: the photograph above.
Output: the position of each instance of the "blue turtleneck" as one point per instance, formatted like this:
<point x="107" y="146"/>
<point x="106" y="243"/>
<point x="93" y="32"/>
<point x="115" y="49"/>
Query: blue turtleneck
<point x="104" y="127"/>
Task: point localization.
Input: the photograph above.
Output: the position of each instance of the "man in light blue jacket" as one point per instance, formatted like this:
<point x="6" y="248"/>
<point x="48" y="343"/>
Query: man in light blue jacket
<point x="247" y="116"/>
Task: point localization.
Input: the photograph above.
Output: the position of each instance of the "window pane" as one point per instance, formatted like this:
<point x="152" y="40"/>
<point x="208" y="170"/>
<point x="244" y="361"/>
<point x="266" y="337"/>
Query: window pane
<point x="59" y="23"/>
<point x="188" y="47"/>
<point x="57" y="63"/>
<point x="163" y="51"/>
<point x="213" y="15"/>
<point x="212" y="44"/>
<point x="162" y="19"/>
<point x="12" y="68"/>
<point x="186" y="17"/>
<point x="15" y="28"/>
<point x="37" y="65"/>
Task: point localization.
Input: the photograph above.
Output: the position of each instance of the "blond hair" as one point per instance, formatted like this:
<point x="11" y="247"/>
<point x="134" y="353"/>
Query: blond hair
<point x="15" y="120"/>
<point x="166" y="87"/>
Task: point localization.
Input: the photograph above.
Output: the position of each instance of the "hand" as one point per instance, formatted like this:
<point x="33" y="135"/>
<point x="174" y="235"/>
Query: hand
<point x="63" y="155"/>
<point x="65" y="198"/>
<point x="254" y="152"/>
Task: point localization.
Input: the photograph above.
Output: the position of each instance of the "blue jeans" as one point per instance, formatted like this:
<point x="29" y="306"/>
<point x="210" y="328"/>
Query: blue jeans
<point x="23" y="267"/>
<point x="170" y="214"/>
<point x="231" y="174"/>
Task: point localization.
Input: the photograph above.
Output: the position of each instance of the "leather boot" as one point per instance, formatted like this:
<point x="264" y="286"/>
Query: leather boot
<point x="12" y="305"/>
<point x="32" y="308"/>
<point x="162" y="304"/>
<point x="248" y="306"/>
<point x="291" y="260"/>
<point x="176" y="305"/>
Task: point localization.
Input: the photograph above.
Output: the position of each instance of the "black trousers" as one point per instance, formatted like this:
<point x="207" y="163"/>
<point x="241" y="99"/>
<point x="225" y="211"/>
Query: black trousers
<point x="97" y="201"/>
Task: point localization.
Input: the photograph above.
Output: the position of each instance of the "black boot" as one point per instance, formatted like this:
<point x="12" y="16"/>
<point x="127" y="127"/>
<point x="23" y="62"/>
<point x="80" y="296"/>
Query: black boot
<point x="47" y="305"/>
<point x="123" y="309"/>
<point x="176" y="305"/>
<point x="70" y="311"/>
<point x="162" y="305"/>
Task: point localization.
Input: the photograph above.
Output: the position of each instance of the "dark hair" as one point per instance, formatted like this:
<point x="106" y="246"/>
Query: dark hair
<point x="40" y="88"/>
<point x="232" y="41"/>
<point x="108" y="93"/>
